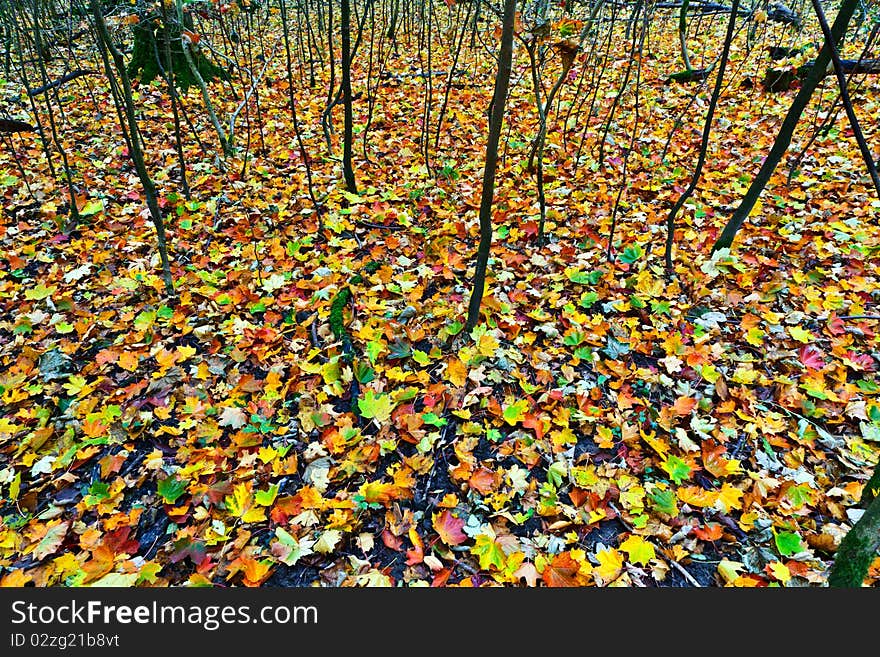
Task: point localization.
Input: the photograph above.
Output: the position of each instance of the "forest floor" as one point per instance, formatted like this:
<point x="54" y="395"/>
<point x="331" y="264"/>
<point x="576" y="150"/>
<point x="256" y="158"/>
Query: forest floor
<point x="603" y="425"/>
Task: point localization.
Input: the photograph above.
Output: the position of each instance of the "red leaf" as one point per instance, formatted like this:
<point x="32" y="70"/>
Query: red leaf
<point x="811" y="357"/>
<point x="448" y="527"/>
<point x="391" y="541"/>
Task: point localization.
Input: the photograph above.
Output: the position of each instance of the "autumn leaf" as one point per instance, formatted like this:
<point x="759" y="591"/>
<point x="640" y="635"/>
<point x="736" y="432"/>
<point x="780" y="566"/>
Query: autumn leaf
<point x="448" y="527"/>
<point x="489" y="552"/>
<point x="376" y="406"/>
<point x="638" y="549"/>
<point x="241" y="505"/>
<point x="233" y="416"/>
<point x="562" y="571"/>
<point x="51" y="540"/>
<point x="610" y="564"/>
<point x="171" y="488"/>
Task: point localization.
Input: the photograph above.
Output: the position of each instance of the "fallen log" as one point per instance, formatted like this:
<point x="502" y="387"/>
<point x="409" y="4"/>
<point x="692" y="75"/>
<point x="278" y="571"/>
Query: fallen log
<point x="67" y="77"/>
<point x="781" y="79"/>
<point x="694" y="75"/>
<point x="11" y="125"/>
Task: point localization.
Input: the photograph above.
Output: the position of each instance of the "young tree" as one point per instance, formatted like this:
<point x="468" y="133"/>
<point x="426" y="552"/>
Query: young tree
<point x="499" y="100"/>
<point x="783" y="138"/>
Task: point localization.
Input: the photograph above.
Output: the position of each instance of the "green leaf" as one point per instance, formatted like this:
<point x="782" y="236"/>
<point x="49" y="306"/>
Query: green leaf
<point x="288" y="549"/>
<point x="516" y="411"/>
<point x="677" y="469"/>
<point x="788" y="543"/>
<point x="144" y="320"/>
<point x="663" y="501"/>
<point x="373" y="350"/>
<point x="64" y="327"/>
<point x="490" y="553"/>
<point x="92" y="207"/>
<point x="588" y="299"/>
<point x="39" y="292"/>
<point x="631" y="254"/>
<point x="266" y="497"/>
<point x="376" y="406"/>
<point x="583" y="277"/>
<point x="399" y="350"/>
<point x="363" y="372"/>
<point x="454" y="328"/>
<point x="170" y="489"/>
<point x="434" y="420"/>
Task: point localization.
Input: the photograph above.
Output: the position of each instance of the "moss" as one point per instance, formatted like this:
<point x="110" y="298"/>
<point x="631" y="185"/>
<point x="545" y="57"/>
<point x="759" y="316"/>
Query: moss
<point x="150" y="36"/>
<point x="871" y="488"/>
<point x="337" y="321"/>
<point x="859" y="547"/>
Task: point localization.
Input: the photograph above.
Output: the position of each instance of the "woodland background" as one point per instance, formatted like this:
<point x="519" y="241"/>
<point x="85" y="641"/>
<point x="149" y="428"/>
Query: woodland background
<point x="416" y="293"/>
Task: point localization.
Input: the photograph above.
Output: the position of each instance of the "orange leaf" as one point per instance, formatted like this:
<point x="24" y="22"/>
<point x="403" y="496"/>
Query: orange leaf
<point x="561" y="572"/>
<point x="483" y="481"/>
<point x="711" y="532"/>
<point x="684" y="405"/>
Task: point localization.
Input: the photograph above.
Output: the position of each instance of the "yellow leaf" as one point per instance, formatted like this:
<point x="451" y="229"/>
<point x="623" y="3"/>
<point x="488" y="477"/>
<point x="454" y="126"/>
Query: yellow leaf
<point x="241" y="505"/>
<point x="729" y="498"/>
<point x="696" y="496"/>
<point x="128" y="361"/>
<point x="780" y="571"/>
<point x="456" y="372"/>
<point x="610" y="563"/>
<point x="185" y="353"/>
<point x="729" y="570"/>
<point x="801" y="335"/>
<point x="487" y="345"/>
<point x="166" y="358"/>
<point x="755" y="336"/>
<point x="638" y="549"/>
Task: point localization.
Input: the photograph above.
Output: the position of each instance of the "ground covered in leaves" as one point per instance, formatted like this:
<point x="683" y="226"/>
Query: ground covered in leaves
<point x="604" y="425"/>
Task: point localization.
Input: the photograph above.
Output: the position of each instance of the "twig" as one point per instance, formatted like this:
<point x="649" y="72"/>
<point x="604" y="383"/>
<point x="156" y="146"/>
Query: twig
<point x="690" y="578"/>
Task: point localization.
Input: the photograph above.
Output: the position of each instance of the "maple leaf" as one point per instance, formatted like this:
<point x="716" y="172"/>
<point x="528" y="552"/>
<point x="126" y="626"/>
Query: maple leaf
<point x="51" y="540"/>
<point x="448" y="527"/>
<point x="287" y="549"/>
<point x="327" y="541"/>
<point x="489" y="551"/>
<point x="610" y="564"/>
<point x="170" y="489"/>
<point x="516" y="411"/>
<point x="241" y="505"/>
<point x="456" y="372"/>
<point x="801" y="335"/>
<point x="711" y="532"/>
<point x="677" y="469"/>
<point x="811" y="357"/>
<point x="233" y="416"/>
<point x="128" y="361"/>
<point x="375" y="406"/>
<point x="562" y="571"/>
<point x="638" y="549"/>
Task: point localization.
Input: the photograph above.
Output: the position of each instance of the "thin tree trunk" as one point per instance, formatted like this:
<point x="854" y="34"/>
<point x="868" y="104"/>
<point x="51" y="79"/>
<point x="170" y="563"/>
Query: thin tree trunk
<point x="844" y="96"/>
<point x="783" y="138"/>
<point x="499" y="100"/>
<point x="130" y="128"/>
<point x="348" y="129"/>
<point x="704" y="143"/>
